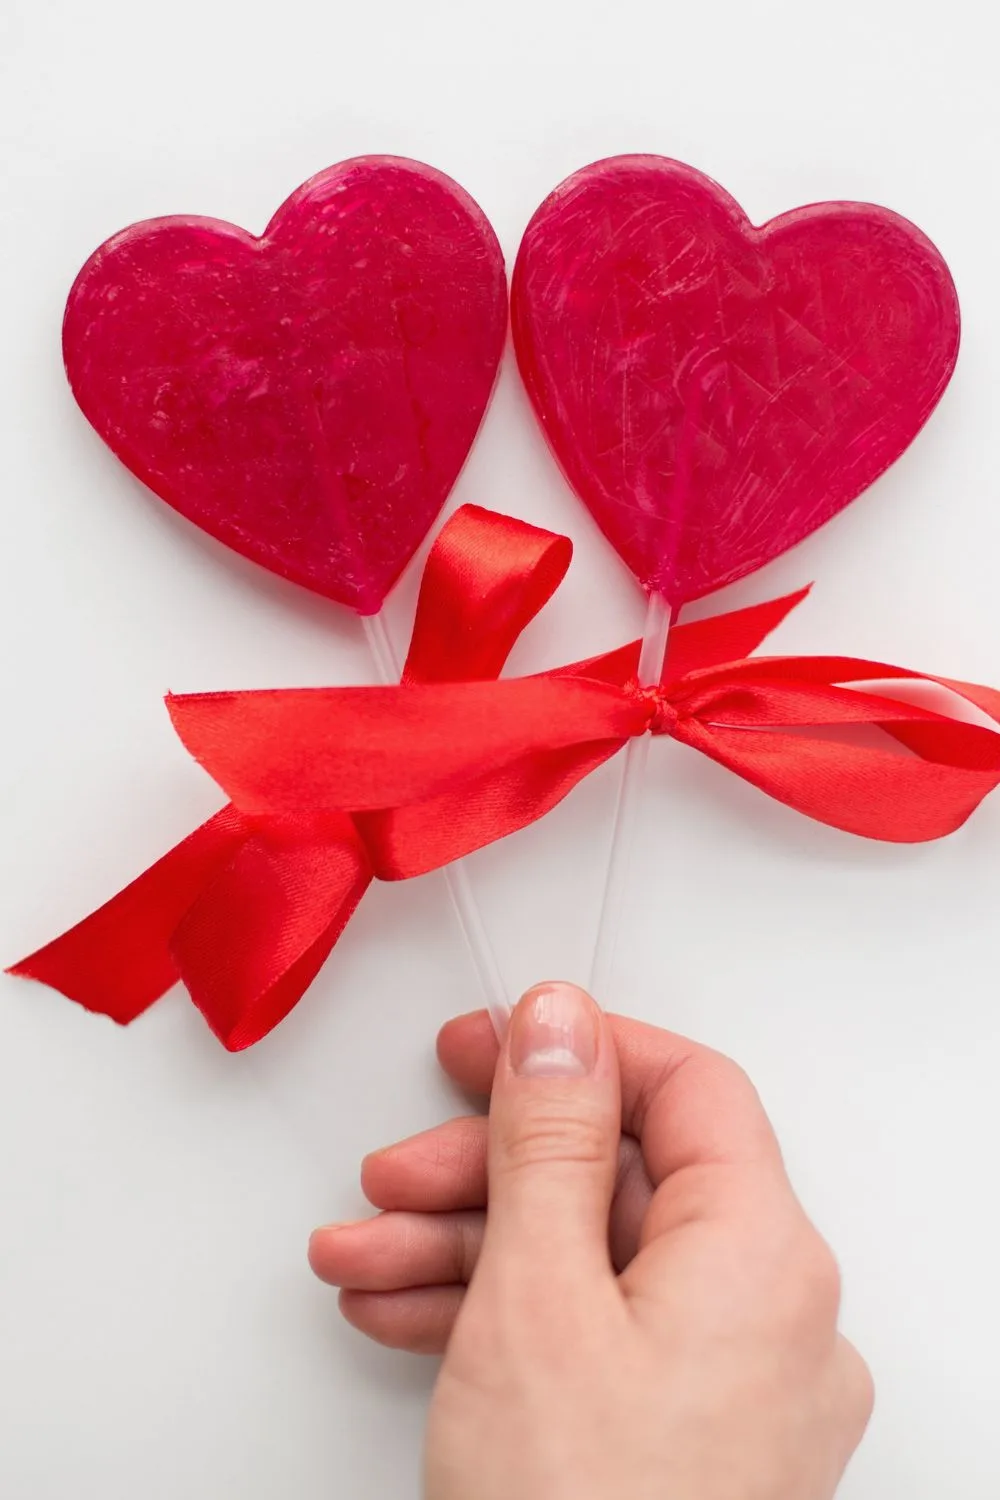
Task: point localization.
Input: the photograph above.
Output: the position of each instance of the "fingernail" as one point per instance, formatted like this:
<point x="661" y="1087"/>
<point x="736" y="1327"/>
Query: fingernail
<point x="554" y="1033"/>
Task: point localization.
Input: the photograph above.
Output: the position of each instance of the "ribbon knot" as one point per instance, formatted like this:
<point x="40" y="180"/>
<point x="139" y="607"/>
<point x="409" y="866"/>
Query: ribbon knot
<point x="332" y="787"/>
<point x="662" y="711"/>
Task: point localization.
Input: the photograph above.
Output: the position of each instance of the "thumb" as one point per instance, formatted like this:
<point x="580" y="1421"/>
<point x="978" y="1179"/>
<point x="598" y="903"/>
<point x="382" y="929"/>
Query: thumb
<point x="555" y="1125"/>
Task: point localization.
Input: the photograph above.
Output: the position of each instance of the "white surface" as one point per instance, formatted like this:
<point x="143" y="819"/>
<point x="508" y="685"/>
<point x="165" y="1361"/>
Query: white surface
<point x="159" y="1332"/>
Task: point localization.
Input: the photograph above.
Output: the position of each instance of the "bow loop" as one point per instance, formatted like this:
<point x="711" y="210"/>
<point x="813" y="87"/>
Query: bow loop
<point x="486" y="578"/>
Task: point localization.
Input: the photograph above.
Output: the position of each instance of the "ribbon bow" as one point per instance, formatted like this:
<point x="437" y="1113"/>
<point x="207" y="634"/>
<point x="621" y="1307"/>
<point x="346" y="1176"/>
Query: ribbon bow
<point x="332" y="787"/>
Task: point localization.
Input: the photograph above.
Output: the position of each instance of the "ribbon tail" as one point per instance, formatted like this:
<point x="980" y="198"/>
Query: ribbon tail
<point x="118" y="960"/>
<point x="695" y="647"/>
<point x="874" y="793"/>
<point x="724" y="638"/>
<point x="256" y="937"/>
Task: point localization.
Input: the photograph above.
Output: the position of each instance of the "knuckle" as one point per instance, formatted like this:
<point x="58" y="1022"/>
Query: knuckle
<point x="723" y="1069"/>
<point x="468" y="1158"/>
<point x="548" y="1134"/>
<point x="811" y="1278"/>
<point x="859" y="1384"/>
<point x="864" y="1391"/>
<point x="466" y="1241"/>
<point x="822" y="1273"/>
<point x="732" y="1072"/>
<point x="739" y="1088"/>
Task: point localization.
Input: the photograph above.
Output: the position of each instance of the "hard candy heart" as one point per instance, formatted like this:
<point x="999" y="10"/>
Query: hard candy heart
<point x="715" y="391"/>
<point x="310" y="396"/>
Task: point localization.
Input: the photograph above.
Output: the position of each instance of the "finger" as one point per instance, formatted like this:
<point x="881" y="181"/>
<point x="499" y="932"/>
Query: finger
<point x="419" y="1320"/>
<point x="398" y="1250"/>
<point x="633" y="1194"/>
<point x="554" y="1130"/>
<point x="437" y="1171"/>
<point x="686" y="1103"/>
<point x="690" y="1106"/>
<point x="426" y="1175"/>
<point x="444" y="1169"/>
<point x="468" y="1051"/>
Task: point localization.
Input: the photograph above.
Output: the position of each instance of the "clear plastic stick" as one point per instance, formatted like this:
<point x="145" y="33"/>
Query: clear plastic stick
<point x="491" y="983"/>
<point x="651" y="659"/>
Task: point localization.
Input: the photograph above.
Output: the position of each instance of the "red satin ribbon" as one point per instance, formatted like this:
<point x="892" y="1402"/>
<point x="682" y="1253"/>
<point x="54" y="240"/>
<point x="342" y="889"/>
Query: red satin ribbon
<point x="329" y="787"/>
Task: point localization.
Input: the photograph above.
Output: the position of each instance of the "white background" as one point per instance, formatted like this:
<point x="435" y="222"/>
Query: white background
<point x="159" y="1331"/>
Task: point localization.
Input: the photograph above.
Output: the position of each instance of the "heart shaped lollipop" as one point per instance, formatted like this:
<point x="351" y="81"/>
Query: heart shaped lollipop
<point x="713" y="391"/>
<point x="310" y="396"/>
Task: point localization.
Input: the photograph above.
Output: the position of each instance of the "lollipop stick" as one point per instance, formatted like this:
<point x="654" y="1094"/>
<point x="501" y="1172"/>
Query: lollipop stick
<point x="456" y="877"/>
<point x="651" y="659"/>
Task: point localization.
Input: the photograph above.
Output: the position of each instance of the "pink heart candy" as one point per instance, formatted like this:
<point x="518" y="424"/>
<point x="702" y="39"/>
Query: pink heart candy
<point x="713" y="391"/>
<point x="308" y="397"/>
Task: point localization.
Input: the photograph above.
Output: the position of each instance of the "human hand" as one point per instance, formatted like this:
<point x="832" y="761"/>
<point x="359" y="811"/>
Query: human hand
<point x="708" y="1368"/>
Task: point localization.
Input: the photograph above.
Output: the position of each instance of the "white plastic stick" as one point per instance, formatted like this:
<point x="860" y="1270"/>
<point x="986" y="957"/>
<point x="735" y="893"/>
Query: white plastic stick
<point x="651" y="659"/>
<point x="470" y="918"/>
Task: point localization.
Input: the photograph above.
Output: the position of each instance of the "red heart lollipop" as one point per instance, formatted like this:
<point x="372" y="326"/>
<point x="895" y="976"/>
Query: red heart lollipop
<point x="308" y="397"/>
<point x="713" y="391"/>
